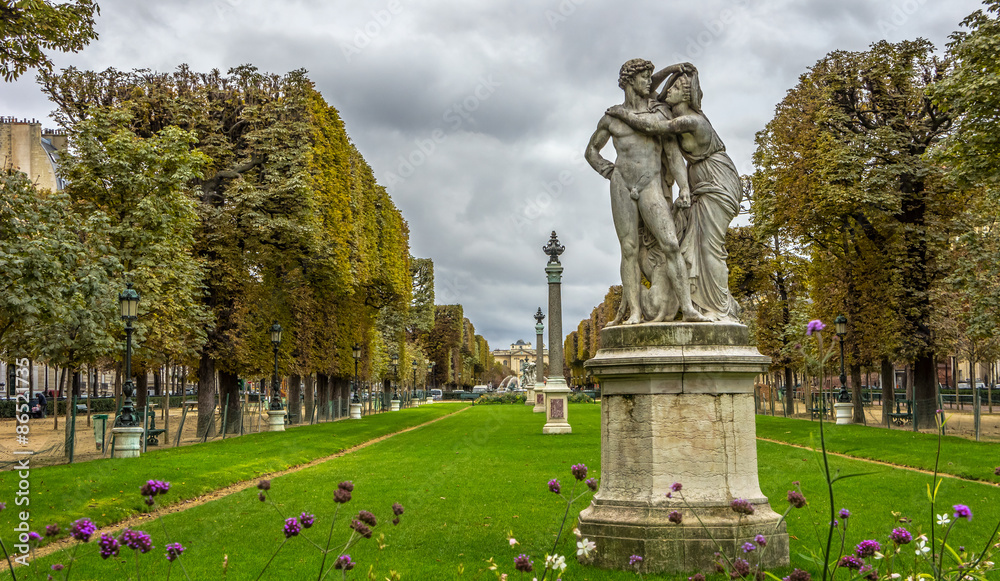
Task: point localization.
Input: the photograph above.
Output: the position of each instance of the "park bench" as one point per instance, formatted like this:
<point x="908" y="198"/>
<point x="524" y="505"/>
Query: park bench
<point x="900" y="417"/>
<point x="817" y="411"/>
<point x="152" y="434"/>
<point x="468" y="395"/>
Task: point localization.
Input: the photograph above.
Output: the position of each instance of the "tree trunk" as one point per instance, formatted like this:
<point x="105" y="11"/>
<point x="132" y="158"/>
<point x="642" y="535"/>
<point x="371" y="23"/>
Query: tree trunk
<point x="310" y="398"/>
<point x="925" y="391"/>
<point x="294" y="391"/>
<point x="859" y="408"/>
<point x="141" y="390"/>
<point x="206" y="393"/>
<point x="789" y="392"/>
<point x="229" y="387"/>
<point x="74" y="390"/>
<point x="323" y="390"/>
<point x="888" y="390"/>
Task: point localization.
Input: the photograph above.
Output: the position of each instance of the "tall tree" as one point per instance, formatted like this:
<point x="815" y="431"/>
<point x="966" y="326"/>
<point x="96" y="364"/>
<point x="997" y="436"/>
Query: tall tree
<point x="32" y="27"/>
<point x="843" y="167"/>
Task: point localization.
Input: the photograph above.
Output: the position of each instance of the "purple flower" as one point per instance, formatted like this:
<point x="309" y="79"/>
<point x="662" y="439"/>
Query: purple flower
<point x="137" y="540"/>
<point x="361" y="528"/>
<point x="153" y="487"/>
<point x="634" y="560"/>
<point x="292" y="527"/>
<point x="397" y="509"/>
<point x="82" y="529"/>
<point x="900" y="536"/>
<point x="523" y="564"/>
<point x="796" y="499"/>
<point x="962" y="511"/>
<point x="814" y="325"/>
<point x="845" y="514"/>
<point x="741" y="506"/>
<point x="109" y="546"/>
<point x="749" y="547"/>
<point x="33" y="536"/>
<point x="51" y="530"/>
<point x="675" y="487"/>
<point x="835" y="523"/>
<point x="3" y="506"/>
<point x="367" y="518"/>
<point x="264" y="485"/>
<point x="592" y="484"/>
<point x="342" y="495"/>
<point x="761" y="540"/>
<point x="307" y="519"/>
<point x="554" y="486"/>
<point x="851" y="562"/>
<point x="579" y="472"/>
<point x="997" y="470"/>
<point x="867" y="548"/>
<point x="798" y="575"/>
<point x="174" y="550"/>
<point x="57" y="567"/>
<point x="869" y="573"/>
<point x="395" y="521"/>
<point x="741" y="568"/>
<point x="675" y="517"/>
<point x="346" y="485"/>
<point x="344" y="562"/>
<point x="261" y="496"/>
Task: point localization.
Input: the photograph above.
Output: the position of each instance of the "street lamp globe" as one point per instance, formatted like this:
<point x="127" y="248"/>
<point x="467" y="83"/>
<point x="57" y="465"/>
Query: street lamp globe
<point x="128" y="302"/>
<point x="841" y="324"/>
<point x="275" y="335"/>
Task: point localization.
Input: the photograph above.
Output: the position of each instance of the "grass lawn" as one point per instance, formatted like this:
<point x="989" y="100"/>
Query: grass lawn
<point x="106" y="491"/>
<point x="468" y="481"/>
<point x="959" y="456"/>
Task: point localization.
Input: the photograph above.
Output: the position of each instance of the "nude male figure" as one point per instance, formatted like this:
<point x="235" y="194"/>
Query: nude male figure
<point x="638" y="178"/>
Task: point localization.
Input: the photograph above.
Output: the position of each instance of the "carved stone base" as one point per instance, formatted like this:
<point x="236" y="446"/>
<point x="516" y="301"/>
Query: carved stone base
<point x="529" y="397"/>
<point x="556" y="407"/>
<point x="677" y="406"/>
<point x="394" y="405"/>
<point x="355" y="411"/>
<point x="276" y="420"/>
<point x="128" y="442"/>
<point x="539" y="401"/>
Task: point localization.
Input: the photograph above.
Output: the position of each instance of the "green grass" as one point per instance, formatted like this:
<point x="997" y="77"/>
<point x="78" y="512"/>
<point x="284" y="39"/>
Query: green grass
<point x="959" y="456"/>
<point x="106" y="491"/>
<point x="470" y="479"/>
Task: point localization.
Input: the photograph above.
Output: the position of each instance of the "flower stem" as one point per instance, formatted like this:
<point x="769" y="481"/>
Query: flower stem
<point x="272" y="558"/>
<point x="72" y="559"/>
<point x="167" y="537"/>
<point x="329" y="537"/>
<point x="7" y="556"/>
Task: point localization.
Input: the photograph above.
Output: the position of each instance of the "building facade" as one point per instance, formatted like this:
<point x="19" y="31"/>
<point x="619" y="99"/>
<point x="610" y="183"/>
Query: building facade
<point x="25" y="146"/>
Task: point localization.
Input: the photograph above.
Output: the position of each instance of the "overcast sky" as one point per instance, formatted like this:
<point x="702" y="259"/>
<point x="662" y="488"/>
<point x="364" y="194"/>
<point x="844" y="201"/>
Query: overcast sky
<point x="475" y="113"/>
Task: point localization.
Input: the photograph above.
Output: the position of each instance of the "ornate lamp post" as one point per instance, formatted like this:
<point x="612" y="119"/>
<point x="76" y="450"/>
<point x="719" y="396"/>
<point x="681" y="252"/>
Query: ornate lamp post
<point x="413" y="386"/>
<point x="430" y="370"/>
<point x="276" y="412"/>
<point x="843" y="405"/>
<point x="355" y="406"/>
<point x="395" y="383"/>
<point x="128" y="429"/>
<point x="275" y="386"/>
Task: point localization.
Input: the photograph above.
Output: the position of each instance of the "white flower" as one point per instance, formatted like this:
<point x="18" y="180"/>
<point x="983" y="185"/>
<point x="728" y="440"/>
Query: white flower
<point x="584" y="548"/>
<point x="942" y="519"/>
<point x="895" y="576"/>
<point x="513" y="541"/>
<point x="922" y="548"/>
<point x="555" y="562"/>
<point x="879" y="555"/>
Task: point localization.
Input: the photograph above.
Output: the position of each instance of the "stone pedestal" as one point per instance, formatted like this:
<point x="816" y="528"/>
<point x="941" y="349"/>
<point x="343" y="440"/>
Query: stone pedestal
<point x="276" y="420"/>
<point x="556" y="407"/>
<point x="844" y="411"/>
<point x="355" y="411"/>
<point x="430" y="399"/>
<point x="529" y="396"/>
<point x="677" y="406"/>
<point x="539" y="401"/>
<point x="128" y="442"/>
<point x="394" y="405"/>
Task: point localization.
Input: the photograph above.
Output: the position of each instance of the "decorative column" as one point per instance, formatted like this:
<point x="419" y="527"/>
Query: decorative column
<point x="276" y="412"/>
<point x="128" y="428"/>
<point x="555" y="390"/>
<point x="537" y="400"/>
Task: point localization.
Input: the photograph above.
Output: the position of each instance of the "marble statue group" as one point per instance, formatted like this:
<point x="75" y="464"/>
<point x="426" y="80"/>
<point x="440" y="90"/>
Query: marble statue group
<point x="677" y="245"/>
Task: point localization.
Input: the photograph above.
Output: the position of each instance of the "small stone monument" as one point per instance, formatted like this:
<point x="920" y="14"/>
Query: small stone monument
<point x="276" y="420"/>
<point x="677" y="399"/>
<point x="555" y="391"/>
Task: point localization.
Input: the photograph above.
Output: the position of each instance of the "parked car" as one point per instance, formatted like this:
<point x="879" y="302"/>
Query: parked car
<point x="437" y="394"/>
<point x="480" y="389"/>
